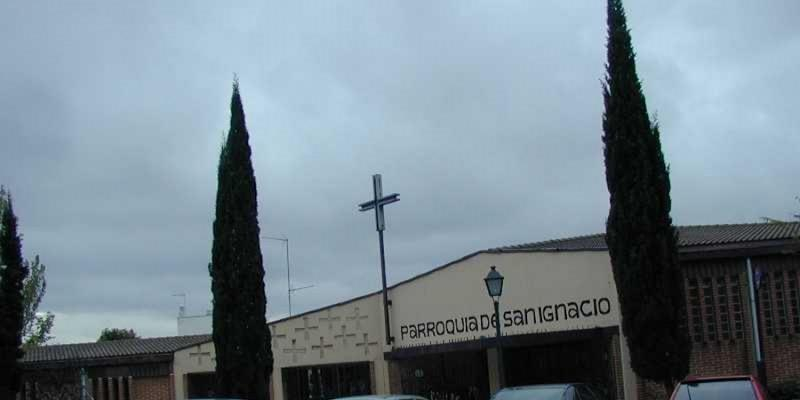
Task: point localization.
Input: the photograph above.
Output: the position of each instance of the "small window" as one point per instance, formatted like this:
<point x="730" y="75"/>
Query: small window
<point x="723" y="309"/>
<point x="709" y="309"/>
<point x="695" y="316"/>
<point x="736" y="306"/>
<point x="780" y="304"/>
<point x="793" y="301"/>
<point x="766" y="305"/>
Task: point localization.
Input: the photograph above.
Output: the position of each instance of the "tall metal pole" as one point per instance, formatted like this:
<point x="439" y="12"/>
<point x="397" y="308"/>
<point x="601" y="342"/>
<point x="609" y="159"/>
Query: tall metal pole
<point x="385" y="295"/>
<point x="288" y="277"/>
<point x="501" y="370"/>
<point x="379" y="222"/>
<point x="377" y="203"/>
<point x="761" y="371"/>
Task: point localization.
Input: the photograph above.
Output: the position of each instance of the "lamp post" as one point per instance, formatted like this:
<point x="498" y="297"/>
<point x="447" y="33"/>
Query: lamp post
<point x="494" y="285"/>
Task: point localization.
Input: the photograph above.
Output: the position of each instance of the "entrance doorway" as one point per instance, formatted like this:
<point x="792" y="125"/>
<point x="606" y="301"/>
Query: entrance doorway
<point x="573" y="361"/>
<point x="446" y="376"/>
<point x="327" y="382"/>
<point x="200" y="385"/>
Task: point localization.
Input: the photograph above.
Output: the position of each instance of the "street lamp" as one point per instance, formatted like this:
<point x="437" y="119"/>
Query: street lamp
<point x="494" y="285"/>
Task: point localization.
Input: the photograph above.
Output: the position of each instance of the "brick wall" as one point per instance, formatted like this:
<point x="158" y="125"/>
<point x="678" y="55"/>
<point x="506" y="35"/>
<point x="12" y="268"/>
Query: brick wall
<point x="718" y="351"/>
<point x="781" y="355"/>
<point x="152" y="388"/>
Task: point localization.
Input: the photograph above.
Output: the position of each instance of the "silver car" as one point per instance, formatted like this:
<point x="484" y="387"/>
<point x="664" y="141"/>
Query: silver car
<point x="383" y="397"/>
<point x="561" y="391"/>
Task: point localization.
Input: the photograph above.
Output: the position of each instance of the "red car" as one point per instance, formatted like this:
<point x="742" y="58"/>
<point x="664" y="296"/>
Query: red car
<point x="741" y="387"/>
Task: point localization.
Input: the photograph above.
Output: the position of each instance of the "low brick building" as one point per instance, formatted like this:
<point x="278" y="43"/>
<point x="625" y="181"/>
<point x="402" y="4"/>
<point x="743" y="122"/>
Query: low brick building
<point x="131" y="369"/>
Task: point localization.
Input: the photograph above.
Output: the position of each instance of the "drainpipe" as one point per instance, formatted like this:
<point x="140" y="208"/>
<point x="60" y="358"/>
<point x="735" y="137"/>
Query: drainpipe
<point x="754" y="318"/>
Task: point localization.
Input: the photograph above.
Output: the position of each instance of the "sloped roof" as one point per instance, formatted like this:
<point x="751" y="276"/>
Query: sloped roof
<point x="112" y="349"/>
<point x="699" y="238"/>
<point x="688" y="236"/>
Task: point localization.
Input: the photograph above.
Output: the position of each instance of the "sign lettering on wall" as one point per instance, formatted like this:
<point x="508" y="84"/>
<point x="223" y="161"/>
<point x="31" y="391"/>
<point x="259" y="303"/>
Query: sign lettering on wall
<point x="529" y="316"/>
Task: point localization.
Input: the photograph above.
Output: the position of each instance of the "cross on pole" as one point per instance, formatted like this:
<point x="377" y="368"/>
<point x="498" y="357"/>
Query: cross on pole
<point x="377" y="203"/>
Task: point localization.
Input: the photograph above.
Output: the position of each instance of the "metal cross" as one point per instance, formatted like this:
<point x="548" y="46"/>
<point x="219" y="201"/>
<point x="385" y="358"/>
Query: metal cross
<point x="344" y="335"/>
<point x="377" y="203"/>
<point x="366" y="343"/>
<point x="321" y="346"/>
<point x="306" y="328"/>
<point x="294" y="351"/>
<point x="330" y="319"/>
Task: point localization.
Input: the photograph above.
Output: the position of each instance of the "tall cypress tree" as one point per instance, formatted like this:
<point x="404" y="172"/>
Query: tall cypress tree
<point x="641" y="240"/>
<point x="241" y="338"/>
<point x="12" y="274"/>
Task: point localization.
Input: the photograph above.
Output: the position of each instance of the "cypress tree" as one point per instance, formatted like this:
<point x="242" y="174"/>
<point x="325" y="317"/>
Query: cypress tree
<point x="240" y="334"/>
<point x="642" y="241"/>
<point x="12" y="274"/>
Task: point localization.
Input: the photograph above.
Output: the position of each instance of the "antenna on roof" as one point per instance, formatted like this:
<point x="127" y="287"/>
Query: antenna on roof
<point x="182" y="307"/>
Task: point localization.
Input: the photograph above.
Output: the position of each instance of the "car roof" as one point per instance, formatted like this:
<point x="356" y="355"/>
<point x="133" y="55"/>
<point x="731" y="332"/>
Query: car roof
<point x="382" y="397"/>
<point x="690" y="379"/>
<point x="542" y="386"/>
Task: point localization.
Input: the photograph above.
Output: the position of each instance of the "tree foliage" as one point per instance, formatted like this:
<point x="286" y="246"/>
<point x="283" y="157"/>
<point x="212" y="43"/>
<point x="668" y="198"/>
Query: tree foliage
<point x="641" y="239"/>
<point x="36" y="326"/>
<point x="240" y="334"/>
<point x="12" y="275"/>
<point x="109" y="334"/>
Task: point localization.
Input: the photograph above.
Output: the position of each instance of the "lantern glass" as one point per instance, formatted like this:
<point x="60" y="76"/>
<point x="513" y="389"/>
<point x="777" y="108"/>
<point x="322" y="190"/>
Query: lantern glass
<point x="494" y="283"/>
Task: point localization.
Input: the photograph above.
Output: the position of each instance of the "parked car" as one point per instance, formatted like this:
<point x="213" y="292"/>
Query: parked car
<point x="561" y="391"/>
<point x="383" y="397"/>
<point x="742" y="387"/>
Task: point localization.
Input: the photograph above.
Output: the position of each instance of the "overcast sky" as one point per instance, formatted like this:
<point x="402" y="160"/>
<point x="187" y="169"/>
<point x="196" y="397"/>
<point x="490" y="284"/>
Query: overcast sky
<point x="484" y="116"/>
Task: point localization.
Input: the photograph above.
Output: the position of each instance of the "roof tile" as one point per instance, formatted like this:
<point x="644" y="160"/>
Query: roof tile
<point x="688" y="236"/>
<point x="113" y="348"/>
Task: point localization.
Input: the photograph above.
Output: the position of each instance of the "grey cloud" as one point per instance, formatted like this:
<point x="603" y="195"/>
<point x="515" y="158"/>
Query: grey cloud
<point x="485" y="117"/>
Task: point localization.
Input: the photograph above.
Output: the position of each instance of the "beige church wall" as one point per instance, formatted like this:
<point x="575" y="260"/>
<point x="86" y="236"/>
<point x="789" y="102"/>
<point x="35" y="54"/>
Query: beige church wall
<point x="199" y="358"/>
<point x="542" y="292"/>
<point x="344" y="333"/>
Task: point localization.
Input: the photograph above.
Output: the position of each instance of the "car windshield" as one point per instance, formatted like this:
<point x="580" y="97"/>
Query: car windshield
<point x="534" y="393"/>
<point x="716" y="390"/>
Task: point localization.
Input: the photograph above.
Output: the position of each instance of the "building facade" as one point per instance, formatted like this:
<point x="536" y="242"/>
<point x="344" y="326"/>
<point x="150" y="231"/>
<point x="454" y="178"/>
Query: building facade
<point x="559" y="316"/>
<point x="130" y="369"/>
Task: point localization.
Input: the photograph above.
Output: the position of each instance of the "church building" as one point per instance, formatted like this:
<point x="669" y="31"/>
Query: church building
<point x="559" y="317"/>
